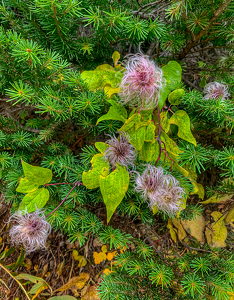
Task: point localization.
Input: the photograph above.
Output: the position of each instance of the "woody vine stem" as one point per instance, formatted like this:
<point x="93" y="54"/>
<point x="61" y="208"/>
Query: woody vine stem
<point x="160" y="142"/>
<point x="75" y="185"/>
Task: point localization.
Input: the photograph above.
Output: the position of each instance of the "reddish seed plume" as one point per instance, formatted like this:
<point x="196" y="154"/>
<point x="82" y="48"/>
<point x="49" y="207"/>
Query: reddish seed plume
<point x="31" y="230"/>
<point x="160" y="190"/>
<point x="216" y="90"/>
<point x="120" y="151"/>
<point x="141" y="82"/>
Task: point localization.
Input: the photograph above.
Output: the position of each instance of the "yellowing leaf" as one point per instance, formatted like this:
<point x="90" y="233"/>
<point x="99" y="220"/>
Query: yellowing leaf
<point x="100" y="167"/>
<point x="107" y="271"/>
<point x="181" y="119"/>
<point x="109" y="90"/>
<point x="170" y="144"/>
<point x="113" y="188"/>
<point x="172" y="230"/>
<point x="104" y="249"/>
<point x="217" y="233"/>
<point x="217" y="198"/>
<point x="115" y="57"/>
<point x="110" y="256"/>
<point x="82" y="261"/>
<point x="165" y="121"/>
<point x="175" y="97"/>
<point x="104" y="67"/>
<point x="34" y="200"/>
<point x="78" y="281"/>
<point x="37" y="175"/>
<point x="99" y="257"/>
<point x="229" y="218"/>
<point x="27" y="186"/>
<point x="195" y="228"/>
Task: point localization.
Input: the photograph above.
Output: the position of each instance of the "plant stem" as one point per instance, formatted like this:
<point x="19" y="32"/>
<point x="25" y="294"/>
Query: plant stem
<point x="159" y="136"/>
<point x="47" y="184"/>
<point x="75" y="184"/>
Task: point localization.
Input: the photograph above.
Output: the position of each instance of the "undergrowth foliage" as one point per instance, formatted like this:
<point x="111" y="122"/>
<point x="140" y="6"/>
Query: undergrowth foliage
<point x="84" y="128"/>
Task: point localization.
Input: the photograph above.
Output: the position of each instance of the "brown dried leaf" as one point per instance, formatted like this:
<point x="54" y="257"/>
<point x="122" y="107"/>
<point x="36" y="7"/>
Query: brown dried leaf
<point x="195" y="228"/>
<point x="60" y="268"/>
<point x="78" y="281"/>
<point x="91" y="294"/>
<point x="180" y="230"/>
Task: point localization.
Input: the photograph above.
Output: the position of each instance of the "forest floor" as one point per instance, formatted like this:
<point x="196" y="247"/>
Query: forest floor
<point x="68" y="269"/>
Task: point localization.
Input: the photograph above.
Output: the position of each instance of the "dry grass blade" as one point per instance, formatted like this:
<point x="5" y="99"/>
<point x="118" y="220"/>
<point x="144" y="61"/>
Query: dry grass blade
<point x="23" y="289"/>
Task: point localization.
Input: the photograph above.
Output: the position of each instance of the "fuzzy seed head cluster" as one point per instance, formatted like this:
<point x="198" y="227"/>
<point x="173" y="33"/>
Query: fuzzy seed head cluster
<point x="159" y="189"/>
<point x="31" y="230"/>
<point x="141" y="82"/>
<point x="216" y="90"/>
<point x="120" y="151"/>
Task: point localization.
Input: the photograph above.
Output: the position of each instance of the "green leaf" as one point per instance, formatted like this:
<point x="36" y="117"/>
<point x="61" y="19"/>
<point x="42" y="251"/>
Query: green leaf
<point x="137" y="137"/>
<point x="172" y="76"/>
<point x="100" y="166"/>
<point x="34" y="200"/>
<point x="40" y="286"/>
<point x="37" y="175"/>
<point x="26" y="186"/>
<point x="181" y="119"/>
<point x="176" y="96"/>
<point x="113" y="188"/>
<point x="149" y="151"/>
<point x="101" y="146"/>
<point x="31" y="278"/>
<point x="150" y="133"/>
<point x="101" y="77"/>
<point x="165" y="121"/>
<point x="116" y="112"/>
<point x="130" y="123"/>
<point x="64" y="297"/>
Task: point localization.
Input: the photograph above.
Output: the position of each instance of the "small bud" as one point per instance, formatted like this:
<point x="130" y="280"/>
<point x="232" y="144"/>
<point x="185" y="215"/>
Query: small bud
<point x="32" y="230"/>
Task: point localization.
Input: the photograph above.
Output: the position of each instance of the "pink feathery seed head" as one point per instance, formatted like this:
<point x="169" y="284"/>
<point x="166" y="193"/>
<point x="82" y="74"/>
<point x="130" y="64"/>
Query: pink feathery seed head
<point x="31" y="230"/>
<point x="141" y="82"/>
<point x="120" y="151"/>
<point x="170" y="198"/>
<point x="151" y="180"/>
<point x="216" y="90"/>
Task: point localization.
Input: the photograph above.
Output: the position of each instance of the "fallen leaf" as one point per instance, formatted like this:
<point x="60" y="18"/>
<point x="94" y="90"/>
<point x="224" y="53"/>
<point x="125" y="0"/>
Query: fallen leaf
<point x="97" y="243"/>
<point x="91" y="294"/>
<point x="78" y="281"/>
<point x="229" y="218"/>
<point x="110" y="256"/>
<point x="217" y="233"/>
<point x="60" y="268"/>
<point x="99" y="257"/>
<point x="195" y="228"/>
<point x="107" y="271"/>
<point x="104" y="249"/>
<point x="172" y="230"/>
<point x="217" y="198"/>
<point x="82" y="261"/>
<point x="180" y="230"/>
